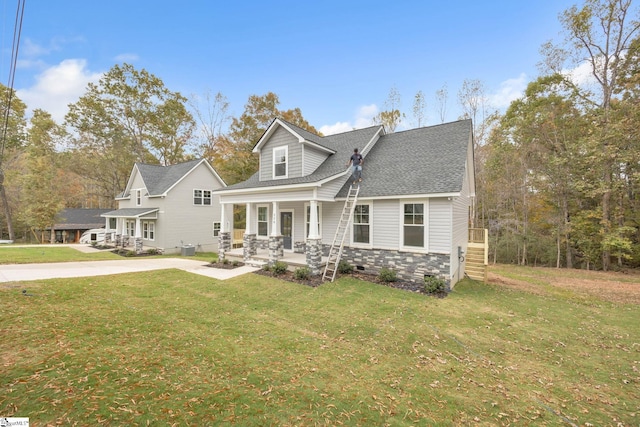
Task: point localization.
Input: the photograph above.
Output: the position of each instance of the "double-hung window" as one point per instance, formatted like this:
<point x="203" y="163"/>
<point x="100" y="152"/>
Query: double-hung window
<point x="216" y="228"/>
<point x="202" y="197"/>
<point x="280" y="162"/>
<point x="263" y="221"/>
<point x="413" y="228"/>
<point x="361" y="224"/>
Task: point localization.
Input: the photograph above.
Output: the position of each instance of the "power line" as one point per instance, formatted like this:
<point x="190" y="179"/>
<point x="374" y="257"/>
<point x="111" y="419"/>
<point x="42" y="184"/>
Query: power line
<point x="17" y="31"/>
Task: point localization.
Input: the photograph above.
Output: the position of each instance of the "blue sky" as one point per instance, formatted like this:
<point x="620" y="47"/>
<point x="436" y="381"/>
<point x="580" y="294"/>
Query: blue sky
<point x="335" y="60"/>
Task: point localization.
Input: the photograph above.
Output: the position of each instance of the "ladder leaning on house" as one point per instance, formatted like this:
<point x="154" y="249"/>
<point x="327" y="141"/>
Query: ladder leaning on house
<point x="335" y="253"/>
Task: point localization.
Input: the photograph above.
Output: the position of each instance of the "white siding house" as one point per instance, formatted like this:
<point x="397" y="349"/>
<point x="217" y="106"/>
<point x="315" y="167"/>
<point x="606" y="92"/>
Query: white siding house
<point x="412" y="212"/>
<point x="169" y="207"/>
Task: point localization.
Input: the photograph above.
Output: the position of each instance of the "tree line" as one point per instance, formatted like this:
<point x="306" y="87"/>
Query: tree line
<point x="557" y="173"/>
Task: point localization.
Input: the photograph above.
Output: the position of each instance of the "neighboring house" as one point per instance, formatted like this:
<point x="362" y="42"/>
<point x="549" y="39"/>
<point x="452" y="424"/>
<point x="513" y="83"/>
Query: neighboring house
<point x="411" y="215"/>
<point x="168" y="208"/>
<point x="71" y="223"/>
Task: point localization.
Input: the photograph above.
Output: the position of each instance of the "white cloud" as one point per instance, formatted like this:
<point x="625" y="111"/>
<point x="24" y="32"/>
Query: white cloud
<point x="509" y="91"/>
<point x="363" y="118"/>
<point x="58" y="86"/>
<point x="582" y="75"/>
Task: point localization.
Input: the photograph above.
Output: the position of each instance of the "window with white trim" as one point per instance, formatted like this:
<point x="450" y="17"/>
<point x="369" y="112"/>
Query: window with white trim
<point x="413" y="225"/>
<point x="361" y="224"/>
<point x="217" y="226"/>
<point x="307" y="208"/>
<point x="280" y="162"/>
<point x="131" y="228"/>
<point x="202" y="197"/>
<point x="138" y="197"/>
<point x="148" y="230"/>
<point x="263" y="221"/>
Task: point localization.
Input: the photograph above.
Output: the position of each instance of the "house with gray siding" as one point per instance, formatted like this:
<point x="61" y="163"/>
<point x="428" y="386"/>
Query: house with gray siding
<point x="167" y="208"/>
<point x="411" y="214"/>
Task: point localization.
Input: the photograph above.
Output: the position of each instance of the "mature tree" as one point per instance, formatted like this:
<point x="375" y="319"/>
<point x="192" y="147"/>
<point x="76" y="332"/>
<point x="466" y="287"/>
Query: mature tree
<point x="547" y="126"/>
<point x="391" y="117"/>
<point x="11" y="143"/>
<point x="233" y="157"/>
<point x="213" y="118"/>
<point x="41" y="199"/>
<point x="598" y="37"/>
<point x="128" y="116"/>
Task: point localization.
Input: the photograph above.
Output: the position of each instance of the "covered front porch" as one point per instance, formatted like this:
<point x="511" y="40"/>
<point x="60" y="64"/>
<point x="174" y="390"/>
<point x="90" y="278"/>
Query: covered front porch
<point x="129" y="228"/>
<point x="261" y="258"/>
<point x="279" y="226"/>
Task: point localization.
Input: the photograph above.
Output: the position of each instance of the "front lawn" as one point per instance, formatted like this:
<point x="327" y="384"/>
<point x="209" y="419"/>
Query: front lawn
<point x="173" y="348"/>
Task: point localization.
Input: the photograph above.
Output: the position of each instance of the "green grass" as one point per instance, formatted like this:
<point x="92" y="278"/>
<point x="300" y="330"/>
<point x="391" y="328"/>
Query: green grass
<point x="45" y="254"/>
<point x="172" y="348"/>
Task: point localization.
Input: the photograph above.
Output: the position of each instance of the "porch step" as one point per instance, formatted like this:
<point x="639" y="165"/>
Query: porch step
<point x="476" y="268"/>
<point x="256" y="262"/>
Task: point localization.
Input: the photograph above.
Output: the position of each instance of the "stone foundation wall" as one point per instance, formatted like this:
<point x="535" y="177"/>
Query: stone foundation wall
<point x="138" y="245"/>
<point x="299" y="247"/>
<point x="263" y="243"/>
<point x="407" y="265"/>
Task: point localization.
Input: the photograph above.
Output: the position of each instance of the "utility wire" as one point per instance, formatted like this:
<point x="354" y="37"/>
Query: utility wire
<point x="17" y="31"/>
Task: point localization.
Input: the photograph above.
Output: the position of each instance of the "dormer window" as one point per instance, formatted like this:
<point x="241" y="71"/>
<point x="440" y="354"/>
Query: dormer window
<point x="280" y="162"/>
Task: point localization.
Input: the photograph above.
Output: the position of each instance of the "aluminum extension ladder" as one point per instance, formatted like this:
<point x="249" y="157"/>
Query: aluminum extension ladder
<point x="335" y="253"/>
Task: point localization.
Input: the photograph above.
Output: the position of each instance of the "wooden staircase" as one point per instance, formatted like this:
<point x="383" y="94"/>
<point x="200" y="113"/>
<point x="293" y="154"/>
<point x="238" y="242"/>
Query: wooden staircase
<point x="335" y="253"/>
<point x="477" y="256"/>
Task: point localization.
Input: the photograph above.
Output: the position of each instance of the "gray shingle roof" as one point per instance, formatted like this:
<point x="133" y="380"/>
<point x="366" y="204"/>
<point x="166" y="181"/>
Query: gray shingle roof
<point x="343" y="144"/>
<point x="159" y="179"/>
<point x="78" y="219"/>
<point x="427" y="160"/>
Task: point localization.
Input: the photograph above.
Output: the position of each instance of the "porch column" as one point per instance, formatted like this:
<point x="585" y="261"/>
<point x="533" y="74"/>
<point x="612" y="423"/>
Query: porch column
<point x="107" y="231"/>
<point x="276" y="241"/>
<point x="224" y="237"/>
<point x="118" y="231"/>
<point x="138" y="236"/>
<point x="313" y="250"/>
<point x="313" y="220"/>
<point x="249" y="240"/>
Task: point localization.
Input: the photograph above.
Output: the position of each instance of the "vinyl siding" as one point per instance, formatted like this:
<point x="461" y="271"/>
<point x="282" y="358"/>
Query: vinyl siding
<point x="439" y="225"/>
<point x="386" y="223"/>
<point x="281" y="137"/>
<point x="330" y="217"/>
<point x="182" y="222"/>
<point x="312" y="158"/>
<point x="330" y="189"/>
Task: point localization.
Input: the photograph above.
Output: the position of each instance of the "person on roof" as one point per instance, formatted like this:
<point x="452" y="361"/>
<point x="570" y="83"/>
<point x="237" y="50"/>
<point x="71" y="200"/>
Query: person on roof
<point x="356" y="161"/>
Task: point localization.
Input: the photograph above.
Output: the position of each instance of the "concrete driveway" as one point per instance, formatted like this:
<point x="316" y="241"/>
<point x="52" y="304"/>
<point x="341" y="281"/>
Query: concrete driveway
<point x="21" y="272"/>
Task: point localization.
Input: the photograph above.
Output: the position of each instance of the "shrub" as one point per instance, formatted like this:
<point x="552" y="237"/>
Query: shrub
<point x="153" y="251"/>
<point x="225" y="261"/>
<point x="434" y="285"/>
<point x="302" y="273"/>
<point x="279" y="267"/>
<point x="130" y="253"/>
<point x="235" y="263"/>
<point x="387" y="275"/>
<point x="344" y="267"/>
<point x="266" y="267"/>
